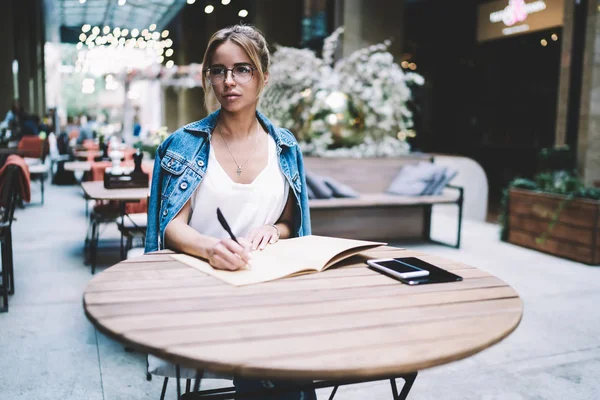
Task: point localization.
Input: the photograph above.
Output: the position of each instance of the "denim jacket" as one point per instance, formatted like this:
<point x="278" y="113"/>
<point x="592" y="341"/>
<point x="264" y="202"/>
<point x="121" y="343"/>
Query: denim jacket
<point x="181" y="162"/>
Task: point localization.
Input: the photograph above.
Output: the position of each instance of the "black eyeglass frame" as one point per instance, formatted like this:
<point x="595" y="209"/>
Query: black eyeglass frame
<point x="207" y="70"/>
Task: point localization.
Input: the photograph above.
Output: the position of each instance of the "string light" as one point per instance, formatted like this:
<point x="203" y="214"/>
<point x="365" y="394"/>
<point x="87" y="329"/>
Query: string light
<point x="209" y="8"/>
<point x="225" y="2"/>
<point x="544" y="42"/>
<point x="191" y="1"/>
<point x="156" y="42"/>
<point x="243" y="13"/>
<point x="554" y="37"/>
<point x="122" y="2"/>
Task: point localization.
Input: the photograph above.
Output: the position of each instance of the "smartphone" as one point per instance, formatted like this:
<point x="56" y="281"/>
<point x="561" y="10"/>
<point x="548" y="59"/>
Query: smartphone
<point x="404" y="268"/>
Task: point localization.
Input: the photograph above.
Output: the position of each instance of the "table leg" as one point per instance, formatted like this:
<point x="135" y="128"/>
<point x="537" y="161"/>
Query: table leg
<point x="229" y="393"/>
<point x="122" y="207"/>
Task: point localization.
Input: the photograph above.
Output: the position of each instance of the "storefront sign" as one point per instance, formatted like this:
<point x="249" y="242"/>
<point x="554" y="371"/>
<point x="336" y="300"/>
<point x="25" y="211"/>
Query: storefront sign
<point x="503" y="18"/>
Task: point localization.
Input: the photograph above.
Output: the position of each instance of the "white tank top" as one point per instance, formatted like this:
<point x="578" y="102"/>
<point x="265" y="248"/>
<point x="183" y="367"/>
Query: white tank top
<point x="245" y="206"/>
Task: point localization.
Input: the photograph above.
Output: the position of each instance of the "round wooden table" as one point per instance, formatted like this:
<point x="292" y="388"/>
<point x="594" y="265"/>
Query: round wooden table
<point x="344" y="323"/>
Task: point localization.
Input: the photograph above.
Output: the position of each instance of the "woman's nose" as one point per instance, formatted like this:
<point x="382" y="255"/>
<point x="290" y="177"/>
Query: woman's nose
<point x="229" y="78"/>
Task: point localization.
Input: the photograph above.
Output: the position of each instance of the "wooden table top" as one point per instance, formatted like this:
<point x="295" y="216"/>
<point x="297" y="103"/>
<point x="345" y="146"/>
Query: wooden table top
<point x="95" y="190"/>
<point x="349" y="322"/>
<point x="78" y="166"/>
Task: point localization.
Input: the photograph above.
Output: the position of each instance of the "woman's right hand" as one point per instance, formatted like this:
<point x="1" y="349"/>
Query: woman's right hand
<point x="226" y="254"/>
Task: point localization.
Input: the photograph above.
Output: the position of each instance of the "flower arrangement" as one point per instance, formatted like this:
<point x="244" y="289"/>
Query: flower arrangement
<point x="355" y="107"/>
<point x="151" y="142"/>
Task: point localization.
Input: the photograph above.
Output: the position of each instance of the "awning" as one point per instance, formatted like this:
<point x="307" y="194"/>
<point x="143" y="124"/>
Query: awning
<point x="64" y="18"/>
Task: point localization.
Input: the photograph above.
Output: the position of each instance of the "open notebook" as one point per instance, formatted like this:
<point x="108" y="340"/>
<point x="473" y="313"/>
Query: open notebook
<point x="287" y="257"/>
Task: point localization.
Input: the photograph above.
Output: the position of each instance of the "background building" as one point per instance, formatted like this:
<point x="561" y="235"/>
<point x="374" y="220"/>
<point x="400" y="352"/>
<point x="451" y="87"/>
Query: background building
<point x="496" y="90"/>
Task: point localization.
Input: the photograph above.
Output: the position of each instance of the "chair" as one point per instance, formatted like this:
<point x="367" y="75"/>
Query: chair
<point x="132" y="226"/>
<point x="39" y="172"/>
<point x="54" y="155"/>
<point x="110" y="211"/>
<point x="34" y="149"/>
<point x="158" y="367"/>
<point x="8" y="198"/>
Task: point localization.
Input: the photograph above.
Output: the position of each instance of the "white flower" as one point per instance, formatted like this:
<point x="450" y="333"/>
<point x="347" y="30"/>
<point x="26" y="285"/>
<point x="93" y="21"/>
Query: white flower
<point x="369" y="76"/>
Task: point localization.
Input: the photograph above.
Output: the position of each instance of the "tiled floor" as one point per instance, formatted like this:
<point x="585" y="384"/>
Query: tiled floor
<point x="49" y="350"/>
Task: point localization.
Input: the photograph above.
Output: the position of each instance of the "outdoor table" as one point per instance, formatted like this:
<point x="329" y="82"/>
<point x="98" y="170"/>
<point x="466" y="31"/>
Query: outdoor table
<point x="95" y="190"/>
<point x="344" y="325"/>
<point x="88" y="154"/>
<point x="78" y="166"/>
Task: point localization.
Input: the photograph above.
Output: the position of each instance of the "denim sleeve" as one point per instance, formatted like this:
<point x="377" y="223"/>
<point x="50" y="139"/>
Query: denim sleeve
<point x="304" y="207"/>
<point x="154" y="207"/>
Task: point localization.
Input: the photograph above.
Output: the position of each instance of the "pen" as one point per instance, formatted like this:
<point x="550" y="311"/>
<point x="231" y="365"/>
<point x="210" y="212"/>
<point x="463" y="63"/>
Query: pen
<point x="225" y="226"/>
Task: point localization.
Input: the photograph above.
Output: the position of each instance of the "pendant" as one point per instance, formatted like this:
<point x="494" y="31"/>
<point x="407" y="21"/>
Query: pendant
<point x="239" y="171"/>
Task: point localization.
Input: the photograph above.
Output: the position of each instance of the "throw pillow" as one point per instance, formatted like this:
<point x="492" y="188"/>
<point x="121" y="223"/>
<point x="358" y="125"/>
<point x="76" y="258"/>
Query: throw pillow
<point x="310" y="193"/>
<point x="318" y="186"/>
<point x="340" y="189"/>
<point x="438" y="186"/>
<point x="413" y="179"/>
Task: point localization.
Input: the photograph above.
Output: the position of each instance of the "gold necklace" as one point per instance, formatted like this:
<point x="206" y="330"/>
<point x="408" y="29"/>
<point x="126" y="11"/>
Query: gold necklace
<point x="239" y="166"/>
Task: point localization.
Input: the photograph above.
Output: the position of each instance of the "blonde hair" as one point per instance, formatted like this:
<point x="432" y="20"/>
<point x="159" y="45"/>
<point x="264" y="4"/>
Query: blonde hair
<point x="254" y="44"/>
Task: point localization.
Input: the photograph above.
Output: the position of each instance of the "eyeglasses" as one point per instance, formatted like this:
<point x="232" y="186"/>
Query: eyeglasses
<point x="239" y="73"/>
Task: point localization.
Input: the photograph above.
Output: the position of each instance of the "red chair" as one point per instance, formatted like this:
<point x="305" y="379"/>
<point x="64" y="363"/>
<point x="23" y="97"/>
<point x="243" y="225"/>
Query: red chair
<point x="35" y="150"/>
<point x="130" y="226"/>
<point x="33" y="147"/>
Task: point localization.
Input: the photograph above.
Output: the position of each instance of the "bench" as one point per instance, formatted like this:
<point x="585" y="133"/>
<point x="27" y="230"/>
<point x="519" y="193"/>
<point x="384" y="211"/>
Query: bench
<point x="376" y="215"/>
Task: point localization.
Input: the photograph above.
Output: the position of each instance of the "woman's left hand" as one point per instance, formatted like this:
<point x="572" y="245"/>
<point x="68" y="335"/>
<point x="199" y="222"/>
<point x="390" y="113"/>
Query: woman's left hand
<point x="263" y="236"/>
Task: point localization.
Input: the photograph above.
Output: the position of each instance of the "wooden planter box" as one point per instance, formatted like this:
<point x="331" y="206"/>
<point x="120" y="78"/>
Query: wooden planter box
<point x="575" y="236"/>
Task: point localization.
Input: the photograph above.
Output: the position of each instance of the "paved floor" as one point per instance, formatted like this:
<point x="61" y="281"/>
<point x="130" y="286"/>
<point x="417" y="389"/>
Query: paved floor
<point x="48" y="349"/>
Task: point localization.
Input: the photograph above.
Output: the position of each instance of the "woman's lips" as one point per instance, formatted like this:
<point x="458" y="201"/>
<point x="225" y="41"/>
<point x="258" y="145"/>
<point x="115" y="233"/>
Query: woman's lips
<point x="231" y="97"/>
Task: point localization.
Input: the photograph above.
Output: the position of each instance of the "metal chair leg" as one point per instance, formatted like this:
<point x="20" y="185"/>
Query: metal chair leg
<point x="333" y="392"/>
<point x="42" y="183"/>
<point x="199" y="374"/>
<point x="164" y="389"/>
<point x="94" y="245"/>
<point x="188" y="384"/>
<point x="148" y="374"/>
<point x="408" y="382"/>
<point x="178" y="375"/>
<point x="394" y="388"/>
<point x="10" y="263"/>
<point x="4" y="287"/>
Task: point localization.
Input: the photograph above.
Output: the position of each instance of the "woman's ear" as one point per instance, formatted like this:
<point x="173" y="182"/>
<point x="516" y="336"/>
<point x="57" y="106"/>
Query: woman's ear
<point x="266" y="78"/>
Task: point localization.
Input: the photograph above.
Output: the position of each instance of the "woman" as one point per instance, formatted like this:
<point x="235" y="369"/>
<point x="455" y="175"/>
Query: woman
<point x="234" y="159"/>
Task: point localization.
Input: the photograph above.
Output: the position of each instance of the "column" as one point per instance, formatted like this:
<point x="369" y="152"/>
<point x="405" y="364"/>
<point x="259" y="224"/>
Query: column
<point x="171" y="117"/>
<point x="564" y="75"/>
<point x="7" y="49"/>
<point x="23" y="54"/>
<point x="588" y="135"/>
<point x="366" y="23"/>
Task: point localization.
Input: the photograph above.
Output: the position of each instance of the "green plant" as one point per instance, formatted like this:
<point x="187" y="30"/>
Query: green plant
<point x="556" y="176"/>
